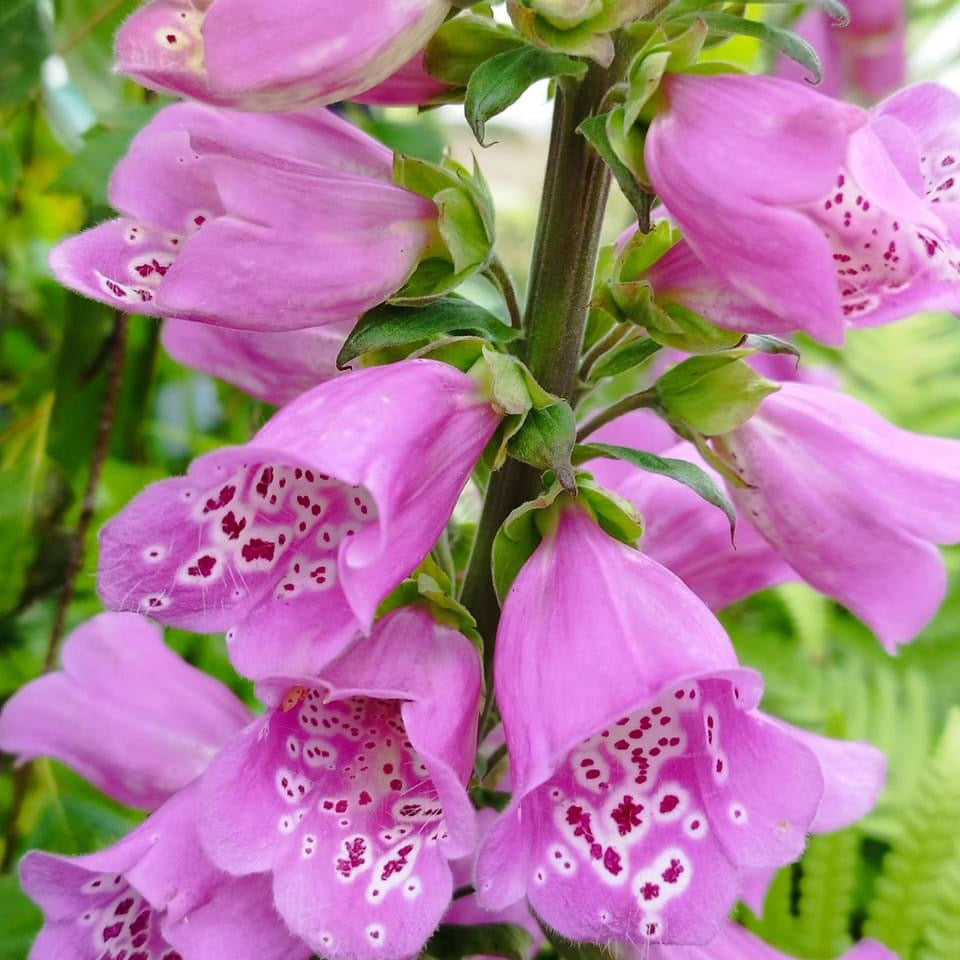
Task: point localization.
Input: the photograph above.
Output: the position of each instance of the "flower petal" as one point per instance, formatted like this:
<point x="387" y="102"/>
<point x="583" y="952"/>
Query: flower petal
<point x="125" y="712"/>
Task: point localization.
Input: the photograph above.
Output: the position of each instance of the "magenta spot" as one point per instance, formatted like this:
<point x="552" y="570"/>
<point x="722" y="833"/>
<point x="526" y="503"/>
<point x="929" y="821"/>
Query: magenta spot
<point x="669" y="803"/>
<point x="611" y="861"/>
<point x="672" y="873"/>
<point x="113" y="931"/>
<point x="650" y="891"/>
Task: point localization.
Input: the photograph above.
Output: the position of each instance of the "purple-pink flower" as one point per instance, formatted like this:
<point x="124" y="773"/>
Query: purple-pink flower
<point x="239" y="53"/>
<point x="644" y="780"/>
<point x="852" y="503"/>
<point x="869" y="54"/>
<point x="800" y="212"/>
<point x="410" y="85"/>
<point x="350" y="791"/>
<point x="290" y="542"/>
<point x="259" y="222"/>
<point x="125" y="712"/>
<point x="272" y="366"/>
<point x="153" y="896"/>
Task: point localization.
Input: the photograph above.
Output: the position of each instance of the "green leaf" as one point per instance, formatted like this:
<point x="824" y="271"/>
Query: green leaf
<point x="786" y="42"/>
<point x="683" y="471"/>
<point x="501" y="80"/>
<point x="453" y="941"/>
<point x="391" y="325"/>
<point x="20" y="919"/>
<point x="835" y="8"/>
<point x="596" y="130"/>
<point x="24" y="45"/>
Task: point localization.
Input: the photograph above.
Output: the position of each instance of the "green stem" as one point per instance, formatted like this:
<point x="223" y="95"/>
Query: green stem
<point x="604" y="344"/>
<point x="561" y="285"/>
<point x="635" y="402"/>
<point x="500" y="277"/>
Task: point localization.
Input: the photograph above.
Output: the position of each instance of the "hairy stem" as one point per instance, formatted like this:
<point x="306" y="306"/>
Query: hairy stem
<point x="561" y="284"/>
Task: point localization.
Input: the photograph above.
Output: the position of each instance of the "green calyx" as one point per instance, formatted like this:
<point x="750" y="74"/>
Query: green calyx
<point x="465" y="226"/>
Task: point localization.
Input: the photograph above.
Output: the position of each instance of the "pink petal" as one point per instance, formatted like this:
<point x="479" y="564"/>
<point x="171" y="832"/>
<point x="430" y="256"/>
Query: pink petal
<point x="274" y="367"/>
<point x="411" y="85"/>
<point x="126" y="712"/>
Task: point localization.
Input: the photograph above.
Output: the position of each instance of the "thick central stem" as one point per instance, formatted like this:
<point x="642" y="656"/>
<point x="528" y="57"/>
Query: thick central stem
<point x="561" y="284"/>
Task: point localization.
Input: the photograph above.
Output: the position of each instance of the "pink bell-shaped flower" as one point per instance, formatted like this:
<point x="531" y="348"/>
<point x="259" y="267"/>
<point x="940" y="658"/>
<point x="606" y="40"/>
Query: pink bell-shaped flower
<point x="153" y="895"/>
<point x="411" y="85"/>
<point x="296" y="53"/>
<point x="125" y="711"/>
<point x="644" y="779"/>
<point x="350" y="791"/>
<point x="291" y="541"/>
<point x="258" y="222"/>
<point x="800" y="212"/>
<point x="852" y="503"/>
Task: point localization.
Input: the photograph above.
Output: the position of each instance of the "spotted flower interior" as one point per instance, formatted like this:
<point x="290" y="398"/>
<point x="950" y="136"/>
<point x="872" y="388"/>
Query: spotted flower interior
<point x="638" y="825"/>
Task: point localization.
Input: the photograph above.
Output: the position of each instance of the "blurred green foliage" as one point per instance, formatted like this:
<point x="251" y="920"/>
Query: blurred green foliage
<point x="65" y="119"/>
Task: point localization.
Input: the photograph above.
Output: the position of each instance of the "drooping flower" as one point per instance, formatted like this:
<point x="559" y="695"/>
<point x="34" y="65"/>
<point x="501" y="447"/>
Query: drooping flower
<point x="351" y="790"/>
<point x="868" y="55"/>
<point x="291" y="541"/>
<point x="644" y="780"/>
<point x="736" y="943"/>
<point x="259" y="222"/>
<point x="153" y="896"/>
<point x="852" y="503"/>
<point x="411" y="85"/>
<point x="238" y="53"/>
<point x="802" y="212"/>
<point x="681" y="531"/>
<point x="126" y="712"/>
<point x="275" y="367"/>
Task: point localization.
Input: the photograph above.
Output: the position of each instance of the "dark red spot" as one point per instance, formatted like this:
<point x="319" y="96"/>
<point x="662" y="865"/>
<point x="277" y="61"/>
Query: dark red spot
<point x="396" y="784"/>
<point x="611" y="861"/>
<point x="203" y="567"/>
<point x="627" y="815"/>
<point x="233" y="527"/>
<point x="672" y="873"/>
<point x="364" y="798"/>
<point x="257" y="549"/>
<point x="123" y="907"/>
<point x="650" y="891"/>
<point x="669" y="803"/>
<point x="109" y="933"/>
<point x="266" y="478"/>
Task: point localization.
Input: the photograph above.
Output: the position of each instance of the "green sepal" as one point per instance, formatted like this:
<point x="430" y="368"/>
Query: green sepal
<point x="392" y="325"/>
<point x="463" y="43"/>
<point x="713" y="394"/>
<point x="621" y="150"/>
<point x="683" y="471"/>
<point x="453" y="941"/>
<point x="500" y="81"/>
<point x="465" y="225"/>
<point x="585" y="33"/>
<point x="643" y="250"/>
<point x="674" y="325"/>
<point x="765" y="343"/>
<point x="545" y="440"/>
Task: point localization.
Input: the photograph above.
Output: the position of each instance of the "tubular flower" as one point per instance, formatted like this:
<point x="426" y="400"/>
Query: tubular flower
<point x="841" y="217"/>
<point x="165" y="718"/>
<point x="275" y="367"/>
<point x="237" y="53"/>
<point x="812" y="458"/>
<point x="153" y="896"/>
<point x="644" y="779"/>
<point x="291" y="541"/>
<point x="869" y="54"/>
<point x="689" y="536"/>
<point x="735" y="943"/>
<point x="255" y="222"/>
<point x="351" y="790"/>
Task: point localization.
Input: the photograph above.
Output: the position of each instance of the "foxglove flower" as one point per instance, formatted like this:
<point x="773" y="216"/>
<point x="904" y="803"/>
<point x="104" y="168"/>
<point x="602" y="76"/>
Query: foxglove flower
<point x="813" y="459"/>
<point x="869" y="54"/>
<point x="255" y="222"/>
<point x="351" y="790"/>
<point x="644" y="780"/>
<point x="238" y="53"/>
<point x="125" y="712"/>
<point x="825" y="215"/>
<point x="411" y="85"/>
<point x="275" y="367"/>
<point x="681" y="531"/>
<point x="153" y="896"/>
<point x="735" y="943"/>
<point x="291" y="541"/>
